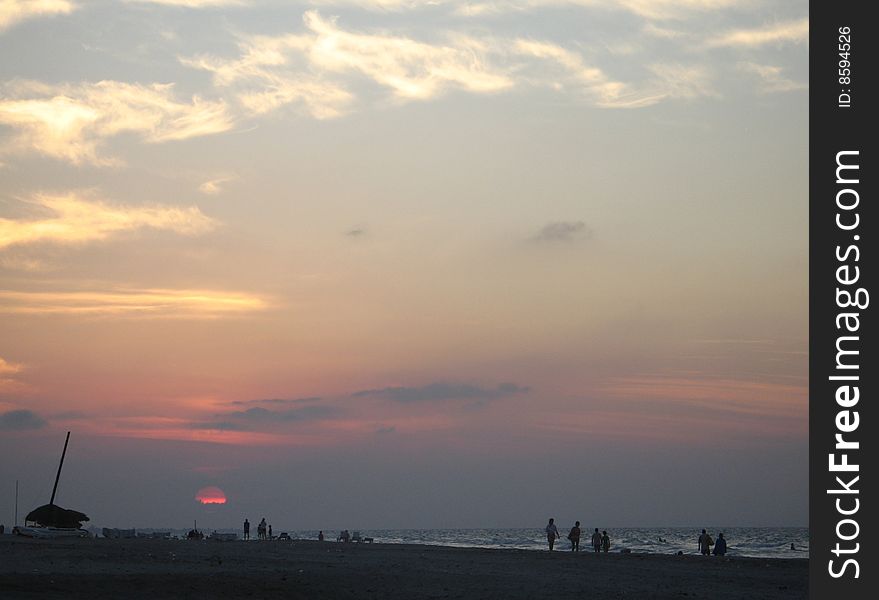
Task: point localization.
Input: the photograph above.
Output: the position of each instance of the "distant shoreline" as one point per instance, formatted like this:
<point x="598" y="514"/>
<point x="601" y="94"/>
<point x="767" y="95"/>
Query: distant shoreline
<point x="142" y="568"/>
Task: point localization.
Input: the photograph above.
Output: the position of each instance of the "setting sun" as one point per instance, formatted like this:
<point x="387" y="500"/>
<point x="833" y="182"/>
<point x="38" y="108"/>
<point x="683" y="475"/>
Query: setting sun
<point x="211" y="495"/>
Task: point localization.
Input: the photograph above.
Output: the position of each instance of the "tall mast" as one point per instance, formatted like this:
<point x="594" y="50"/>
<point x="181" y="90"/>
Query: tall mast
<point x="61" y="464"/>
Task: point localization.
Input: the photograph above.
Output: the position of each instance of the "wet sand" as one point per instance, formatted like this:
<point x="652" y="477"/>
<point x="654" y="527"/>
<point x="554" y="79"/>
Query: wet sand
<point x="141" y="569"/>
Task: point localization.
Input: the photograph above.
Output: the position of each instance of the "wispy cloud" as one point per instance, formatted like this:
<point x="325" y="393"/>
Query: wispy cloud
<point x="412" y="69"/>
<point x="213" y="187"/>
<point x="299" y="68"/>
<point x="304" y="413"/>
<point x="266" y="77"/>
<point x="277" y="401"/>
<point x="15" y="11"/>
<point x="771" y="78"/>
<point x="218" y="426"/>
<point x="76" y="219"/>
<point x="711" y="395"/>
<point x="443" y="391"/>
<point x="778" y="33"/>
<point x="603" y="90"/>
<point x="318" y="69"/>
<point x="131" y="302"/>
<point x="71" y="122"/>
<point x="191" y="3"/>
<point x="675" y="80"/>
<point x="648" y="9"/>
<point x="21" y="420"/>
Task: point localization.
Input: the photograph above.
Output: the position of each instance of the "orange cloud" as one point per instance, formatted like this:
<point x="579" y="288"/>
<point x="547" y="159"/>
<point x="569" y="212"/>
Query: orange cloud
<point x="8" y="371"/>
<point x="15" y="11"/>
<point x="122" y="302"/>
<point x="77" y="219"/>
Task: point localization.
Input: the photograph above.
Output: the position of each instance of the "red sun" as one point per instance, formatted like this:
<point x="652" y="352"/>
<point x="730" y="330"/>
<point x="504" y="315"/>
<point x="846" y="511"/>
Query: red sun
<point x="211" y="495"/>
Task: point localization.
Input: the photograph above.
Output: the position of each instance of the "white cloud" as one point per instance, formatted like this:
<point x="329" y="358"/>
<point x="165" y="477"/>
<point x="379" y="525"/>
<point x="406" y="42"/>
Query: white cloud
<point x="412" y="69"/>
<point x="303" y="68"/>
<point x="15" y="11"/>
<point x="779" y="33"/>
<point x="316" y="69"/>
<point x="771" y="78"/>
<point x="74" y="219"/>
<point x="70" y="122"/>
<point x="675" y="80"/>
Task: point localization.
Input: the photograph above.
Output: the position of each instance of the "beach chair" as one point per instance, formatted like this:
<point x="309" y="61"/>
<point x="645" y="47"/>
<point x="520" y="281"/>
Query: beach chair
<point x="356" y="537"/>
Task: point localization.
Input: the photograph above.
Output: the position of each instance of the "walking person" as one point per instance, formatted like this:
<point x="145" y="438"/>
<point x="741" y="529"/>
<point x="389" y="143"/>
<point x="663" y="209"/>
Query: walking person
<point x="605" y="542"/>
<point x="596" y="541"/>
<point x="552" y="533"/>
<point x="246" y="529"/>
<point x="574" y="536"/>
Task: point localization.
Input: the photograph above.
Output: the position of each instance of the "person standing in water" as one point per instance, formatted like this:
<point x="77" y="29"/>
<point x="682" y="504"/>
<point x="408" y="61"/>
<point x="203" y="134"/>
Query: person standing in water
<point x="705" y="542"/>
<point x="552" y="533"/>
<point x="605" y="542"/>
<point x="596" y="541"/>
<point x="720" y="545"/>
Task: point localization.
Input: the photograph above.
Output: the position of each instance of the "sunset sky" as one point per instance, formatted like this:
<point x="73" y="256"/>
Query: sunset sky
<point x="405" y="263"/>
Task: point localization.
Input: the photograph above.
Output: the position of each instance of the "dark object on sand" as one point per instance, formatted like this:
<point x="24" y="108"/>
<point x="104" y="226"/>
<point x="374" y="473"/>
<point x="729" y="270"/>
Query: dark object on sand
<point x="51" y="515"/>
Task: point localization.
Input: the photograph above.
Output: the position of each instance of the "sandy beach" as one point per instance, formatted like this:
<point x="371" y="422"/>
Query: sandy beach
<point x="100" y="568"/>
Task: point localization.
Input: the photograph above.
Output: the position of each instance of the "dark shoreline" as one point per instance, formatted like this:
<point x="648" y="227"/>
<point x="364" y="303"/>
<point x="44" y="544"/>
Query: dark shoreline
<point x="99" y="568"/>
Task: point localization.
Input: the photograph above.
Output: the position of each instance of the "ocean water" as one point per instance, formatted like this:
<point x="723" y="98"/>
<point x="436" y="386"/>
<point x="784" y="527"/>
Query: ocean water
<point x="763" y="542"/>
<point x="760" y="542"/>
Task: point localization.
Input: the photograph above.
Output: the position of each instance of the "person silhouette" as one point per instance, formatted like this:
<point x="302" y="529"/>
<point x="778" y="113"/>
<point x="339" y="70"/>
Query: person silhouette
<point x="705" y="543"/>
<point x="720" y="545"/>
<point x="605" y="542"/>
<point x="574" y="536"/>
<point x="552" y="533"/>
<point x="246" y="529"/>
<point x="596" y="541"/>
